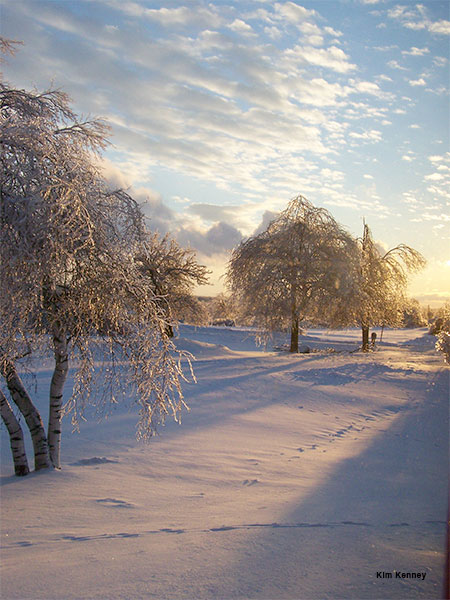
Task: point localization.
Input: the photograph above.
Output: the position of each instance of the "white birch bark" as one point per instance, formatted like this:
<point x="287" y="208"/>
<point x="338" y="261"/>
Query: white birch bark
<point x="67" y="260"/>
<point x="56" y="396"/>
<point x="30" y="413"/>
<point x="15" y="437"/>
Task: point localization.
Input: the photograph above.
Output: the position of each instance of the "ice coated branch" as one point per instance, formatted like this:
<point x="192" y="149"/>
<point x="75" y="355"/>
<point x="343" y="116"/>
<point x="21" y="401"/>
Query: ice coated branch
<point x="294" y="269"/>
<point x="81" y="275"/>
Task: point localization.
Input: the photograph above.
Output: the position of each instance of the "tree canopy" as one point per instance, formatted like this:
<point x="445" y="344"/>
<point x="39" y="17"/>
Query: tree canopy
<point x="306" y="267"/>
<point x="173" y="272"/>
<point x="72" y="274"/>
<point x="380" y="297"/>
<point x="293" y="270"/>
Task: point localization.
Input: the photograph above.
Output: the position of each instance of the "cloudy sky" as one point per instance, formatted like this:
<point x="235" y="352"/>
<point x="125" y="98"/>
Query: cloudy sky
<point x="222" y="111"/>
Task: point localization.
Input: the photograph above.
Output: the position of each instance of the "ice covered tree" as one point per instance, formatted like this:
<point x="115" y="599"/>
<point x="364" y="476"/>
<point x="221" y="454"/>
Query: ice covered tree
<point x="223" y="309"/>
<point x="296" y="269"/>
<point x="173" y="272"/>
<point x="441" y="329"/>
<point x="69" y="278"/>
<point x="413" y="314"/>
<point x="380" y="286"/>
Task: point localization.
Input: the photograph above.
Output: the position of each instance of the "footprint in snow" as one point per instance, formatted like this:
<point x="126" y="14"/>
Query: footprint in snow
<point x="115" y="503"/>
<point x="169" y="530"/>
<point x="95" y="460"/>
<point x="250" y="482"/>
<point x="24" y="543"/>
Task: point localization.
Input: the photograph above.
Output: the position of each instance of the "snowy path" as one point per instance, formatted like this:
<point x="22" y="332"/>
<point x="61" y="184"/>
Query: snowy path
<point x="292" y="477"/>
<point x="377" y="512"/>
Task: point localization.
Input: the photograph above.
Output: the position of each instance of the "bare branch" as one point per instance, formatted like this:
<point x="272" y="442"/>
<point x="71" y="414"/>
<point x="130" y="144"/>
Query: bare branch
<point x="8" y="47"/>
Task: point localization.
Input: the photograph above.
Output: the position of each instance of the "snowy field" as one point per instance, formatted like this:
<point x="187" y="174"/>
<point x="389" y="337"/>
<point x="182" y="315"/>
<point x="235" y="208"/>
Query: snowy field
<point x="303" y="476"/>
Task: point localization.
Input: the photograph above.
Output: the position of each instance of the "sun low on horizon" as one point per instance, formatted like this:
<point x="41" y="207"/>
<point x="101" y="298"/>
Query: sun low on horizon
<point x="222" y="111"/>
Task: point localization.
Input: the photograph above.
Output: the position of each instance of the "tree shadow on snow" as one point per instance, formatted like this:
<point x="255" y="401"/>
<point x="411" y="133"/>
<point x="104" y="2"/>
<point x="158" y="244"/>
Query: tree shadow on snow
<point x="384" y="510"/>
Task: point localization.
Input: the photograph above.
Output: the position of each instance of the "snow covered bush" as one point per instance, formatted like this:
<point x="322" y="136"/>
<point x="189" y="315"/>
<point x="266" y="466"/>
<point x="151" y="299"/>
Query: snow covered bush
<point x="71" y="278"/>
<point x="443" y="345"/>
<point x="442" y="320"/>
<point x="441" y="328"/>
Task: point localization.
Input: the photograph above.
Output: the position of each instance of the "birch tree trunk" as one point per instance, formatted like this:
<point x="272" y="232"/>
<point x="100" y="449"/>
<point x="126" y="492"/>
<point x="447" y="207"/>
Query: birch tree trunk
<point x="365" y="338"/>
<point x="56" y="395"/>
<point x="31" y="415"/>
<point x="294" y="331"/>
<point x="15" y="437"/>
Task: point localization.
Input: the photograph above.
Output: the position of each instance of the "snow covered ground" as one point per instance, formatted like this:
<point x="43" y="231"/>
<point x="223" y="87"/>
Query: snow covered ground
<point x="307" y="476"/>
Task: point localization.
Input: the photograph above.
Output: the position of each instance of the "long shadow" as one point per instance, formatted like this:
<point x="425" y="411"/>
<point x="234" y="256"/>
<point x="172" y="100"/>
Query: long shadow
<point x="382" y="512"/>
<point x="199" y="396"/>
<point x="306" y="368"/>
<point x="308" y="371"/>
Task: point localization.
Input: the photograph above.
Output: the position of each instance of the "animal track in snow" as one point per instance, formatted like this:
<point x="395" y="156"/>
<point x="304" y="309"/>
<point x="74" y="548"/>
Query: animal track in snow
<point x="100" y="536"/>
<point x="223" y="528"/>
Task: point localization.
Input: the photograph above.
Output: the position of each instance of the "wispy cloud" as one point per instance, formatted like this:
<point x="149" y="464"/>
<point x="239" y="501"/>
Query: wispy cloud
<point x="183" y="16"/>
<point x="440" y="61"/>
<point x="416" y="51"/>
<point x="370" y="136"/>
<point x="332" y="58"/>
<point x="417" y="82"/>
<point x="241" y="27"/>
<point x="239" y="108"/>
<point x="394" y="64"/>
<point x="294" y="13"/>
<point x="416" y="18"/>
<point x="439" y="179"/>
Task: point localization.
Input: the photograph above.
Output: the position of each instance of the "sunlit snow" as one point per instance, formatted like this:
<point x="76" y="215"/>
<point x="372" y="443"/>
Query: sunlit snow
<point x="292" y="476"/>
